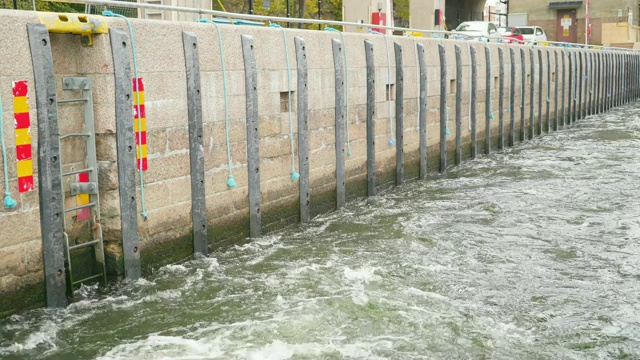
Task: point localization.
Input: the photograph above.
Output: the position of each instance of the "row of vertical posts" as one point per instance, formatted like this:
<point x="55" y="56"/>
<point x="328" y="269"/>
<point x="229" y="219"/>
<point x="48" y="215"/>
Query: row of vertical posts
<point x="593" y="82"/>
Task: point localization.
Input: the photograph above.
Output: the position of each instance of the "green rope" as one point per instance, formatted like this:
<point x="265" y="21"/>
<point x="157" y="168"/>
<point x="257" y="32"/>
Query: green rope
<point x="294" y="174"/>
<point x="9" y="203"/>
<point x="230" y="182"/>
<point x="346" y="82"/>
<point x="135" y="76"/>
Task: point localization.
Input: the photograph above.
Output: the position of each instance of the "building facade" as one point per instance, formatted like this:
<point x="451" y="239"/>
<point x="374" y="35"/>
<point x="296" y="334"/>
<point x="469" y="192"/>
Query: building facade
<point x="610" y="22"/>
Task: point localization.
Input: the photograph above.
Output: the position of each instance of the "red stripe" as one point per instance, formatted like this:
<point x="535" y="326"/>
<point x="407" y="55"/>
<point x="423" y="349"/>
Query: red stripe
<point x="142" y="135"/>
<point x="83" y="177"/>
<point x="20" y="88"/>
<point x="22" y="120"/>
<point x="140" y="85"/>
<point x="142" y="111"/>
<point x="144" y="164"/>
<point x="23" y="152"/>
<point x="25" y="183"/>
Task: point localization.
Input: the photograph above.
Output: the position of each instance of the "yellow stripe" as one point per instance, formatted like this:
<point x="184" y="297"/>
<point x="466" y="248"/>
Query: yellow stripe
<point x="144" y="125"/>
<point x="82" y="199"/>
<point x="144" y="151"/>
<point x="20" y="105"/>
<point x="137" y="94"/>
<point x="25" y="168"/>
<point x="23" y="137"/>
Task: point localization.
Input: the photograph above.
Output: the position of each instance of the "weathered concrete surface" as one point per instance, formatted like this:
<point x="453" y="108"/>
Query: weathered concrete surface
<point x="165" y="236"/>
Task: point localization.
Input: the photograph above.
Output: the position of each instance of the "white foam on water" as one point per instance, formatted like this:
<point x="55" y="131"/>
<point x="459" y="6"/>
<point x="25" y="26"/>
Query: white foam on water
<point x="45" y="336"/>
<point x="359" y="298"/>
<point x="362" y="275"/>
<point x="427" y="294"/>
<point x="165" y="347"/>
<point x="277" y="350"/>
<point x="173" y="269"/>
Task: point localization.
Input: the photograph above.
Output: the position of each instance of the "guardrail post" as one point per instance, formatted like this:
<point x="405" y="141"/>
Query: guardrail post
<point x="371" y="105"/>
<point x="523" y="127"/>
<point x="338" y="64"/>
<point x="196" y="147"/>
<point x="458" y="105"/>
<point x="303" y="130"/>
<point x="474" y="90"/>
<point x="399" y="115"/>
<point x="423" y="111"/>
<point x="125" y="142"/>
<point x="253" y="139"/>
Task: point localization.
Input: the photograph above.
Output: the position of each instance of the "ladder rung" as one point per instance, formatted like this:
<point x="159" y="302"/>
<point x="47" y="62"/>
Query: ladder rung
<point x="88" y="278"/>
<point x="88" y="243"/>
<point x="75" y="172"/>
<point x="73" y="134"/>
<point x="70" y="101"/>
<point x="79" y="207"/>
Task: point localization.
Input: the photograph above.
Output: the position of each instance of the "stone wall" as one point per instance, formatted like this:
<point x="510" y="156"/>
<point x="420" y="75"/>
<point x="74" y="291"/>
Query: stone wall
<point x="166" y="233"/>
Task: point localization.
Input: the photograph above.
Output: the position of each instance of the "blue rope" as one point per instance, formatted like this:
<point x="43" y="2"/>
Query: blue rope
<point x="9" y="203"/>
<point x="135" y="76"/>
<point x="294" y="174"/>
<point x="346" y="82"/>
<point x="230" y="182"/>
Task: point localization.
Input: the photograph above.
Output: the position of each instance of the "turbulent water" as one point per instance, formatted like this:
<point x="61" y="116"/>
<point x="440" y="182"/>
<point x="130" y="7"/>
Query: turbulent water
<point x="531" y="253"/>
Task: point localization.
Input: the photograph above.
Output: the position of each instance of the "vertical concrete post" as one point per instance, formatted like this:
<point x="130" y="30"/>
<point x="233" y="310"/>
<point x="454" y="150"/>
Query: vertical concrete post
<point x="399" y="115"/>
<point x="547" y="99"/>
<point x="597" y="83"/>
<point x="443" y="108"/>
<point x="474" y="90"/>
<point x="126" y="144"/>
<point x="540" y="95"/>
<point x="458" y="104"/>
<point x="581" y="75"/>
<point x="423" y="111"/>
<point x="564" y="88"/>
<point x="523" y="87"/>
<point x="487" y="117"/>
<point x="371" y="105"/>
<point x="590" y="81"/>
<point x="512" y="98"/>
<point x="532" y="96"/>
<point x="50" y="191"/>
<point x="253" y="139"/>
<point x="501" y="101"/>
<point x="303" y="130"/>
<point x="555" y="96"/>
<point x="338" y="64"/>
<point x="570" y="92"/>
<point x="196" y="143"/>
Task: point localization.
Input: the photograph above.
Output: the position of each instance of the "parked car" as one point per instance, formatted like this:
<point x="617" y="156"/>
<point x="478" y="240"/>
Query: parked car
<point x="532" y="34"/>
<point x="484" y="30"/>
<point x="511" y="35"/>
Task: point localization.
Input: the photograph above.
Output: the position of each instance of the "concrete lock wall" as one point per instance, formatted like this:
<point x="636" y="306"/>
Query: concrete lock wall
<point x="166" y="234"/>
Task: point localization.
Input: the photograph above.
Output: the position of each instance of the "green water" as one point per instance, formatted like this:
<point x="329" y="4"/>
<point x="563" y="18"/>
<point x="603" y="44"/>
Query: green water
<point x="531" y="253"/>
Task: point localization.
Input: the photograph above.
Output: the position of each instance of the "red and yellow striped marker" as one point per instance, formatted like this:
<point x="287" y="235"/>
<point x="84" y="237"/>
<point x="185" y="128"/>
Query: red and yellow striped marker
<point x="83" y="199"/>
<point x="23" y="135"/>
<point x="140" y="124"/>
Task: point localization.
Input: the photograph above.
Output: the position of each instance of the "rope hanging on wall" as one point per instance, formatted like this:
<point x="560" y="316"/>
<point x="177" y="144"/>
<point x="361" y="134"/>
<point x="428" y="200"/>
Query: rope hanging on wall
<point x="135" y="76"/>
<point x="294" y="174"/>
<point x="9" y="202"/>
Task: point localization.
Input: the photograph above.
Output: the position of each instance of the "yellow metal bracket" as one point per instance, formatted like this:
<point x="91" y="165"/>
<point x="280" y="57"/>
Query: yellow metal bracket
<point x="69" y="23"/>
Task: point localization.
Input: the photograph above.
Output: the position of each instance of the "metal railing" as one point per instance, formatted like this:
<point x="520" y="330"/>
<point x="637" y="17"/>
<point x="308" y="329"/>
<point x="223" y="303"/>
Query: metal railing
<point x="229" y="15"/>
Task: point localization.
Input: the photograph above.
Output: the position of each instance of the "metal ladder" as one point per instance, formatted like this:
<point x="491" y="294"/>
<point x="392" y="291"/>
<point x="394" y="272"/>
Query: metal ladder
<point x="90" y="185"/>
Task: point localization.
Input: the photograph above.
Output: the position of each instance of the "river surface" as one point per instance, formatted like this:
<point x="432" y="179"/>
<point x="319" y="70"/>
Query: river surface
<point x="531" y="253"/>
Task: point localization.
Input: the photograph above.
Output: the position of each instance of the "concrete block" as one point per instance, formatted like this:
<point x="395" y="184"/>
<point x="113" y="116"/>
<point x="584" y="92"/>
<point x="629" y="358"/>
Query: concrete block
<point x="13" y="261"/>
<point x="25" y="223"/>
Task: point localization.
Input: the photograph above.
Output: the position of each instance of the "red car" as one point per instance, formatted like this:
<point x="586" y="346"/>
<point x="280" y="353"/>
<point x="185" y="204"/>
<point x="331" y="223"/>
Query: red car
<point x="511" y="35"/>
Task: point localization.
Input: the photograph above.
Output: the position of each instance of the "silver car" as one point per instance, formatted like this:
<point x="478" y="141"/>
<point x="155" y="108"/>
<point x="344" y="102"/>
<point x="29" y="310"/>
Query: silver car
<point x="482" y="30"/>
<point x="532" y="34"/>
